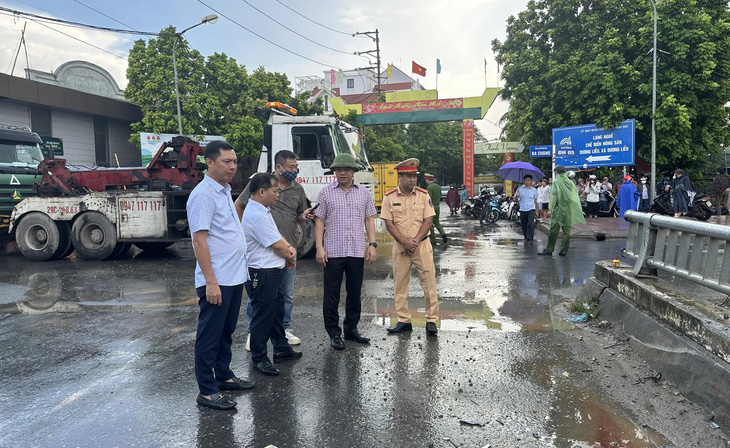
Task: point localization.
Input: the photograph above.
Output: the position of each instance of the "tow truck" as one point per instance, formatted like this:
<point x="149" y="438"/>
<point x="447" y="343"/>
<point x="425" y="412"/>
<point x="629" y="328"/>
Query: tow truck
<point x="101" y="212"/>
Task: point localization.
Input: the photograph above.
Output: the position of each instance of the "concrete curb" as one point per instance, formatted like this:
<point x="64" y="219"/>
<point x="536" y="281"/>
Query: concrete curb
<point x="579" y="232"/>
<point x="687" y="340"/>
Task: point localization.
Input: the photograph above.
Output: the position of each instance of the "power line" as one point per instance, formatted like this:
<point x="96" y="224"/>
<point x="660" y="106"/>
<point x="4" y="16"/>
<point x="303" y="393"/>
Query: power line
<point x="107" y="16"/>
<point x="267" y="40"/>
<point x="313" y="21"/>
<point x="295" y="32"/>
<point x="77" y="39"/>
<point x="38" y="19"/>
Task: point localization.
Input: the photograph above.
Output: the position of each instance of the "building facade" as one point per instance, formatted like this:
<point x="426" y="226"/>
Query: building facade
<point x="79" y="104"/>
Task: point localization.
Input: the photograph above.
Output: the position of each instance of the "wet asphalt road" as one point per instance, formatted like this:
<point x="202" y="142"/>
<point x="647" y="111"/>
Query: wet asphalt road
<point x="98" y="354"/>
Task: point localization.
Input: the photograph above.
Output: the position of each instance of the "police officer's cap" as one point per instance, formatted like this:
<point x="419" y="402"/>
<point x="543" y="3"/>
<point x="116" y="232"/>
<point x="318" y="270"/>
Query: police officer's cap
<point x="408" y="166"/>
<point x="559" y="169"/>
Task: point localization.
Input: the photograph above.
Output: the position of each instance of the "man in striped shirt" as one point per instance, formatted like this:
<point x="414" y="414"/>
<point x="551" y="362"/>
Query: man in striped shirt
<point x="344" y="208"/>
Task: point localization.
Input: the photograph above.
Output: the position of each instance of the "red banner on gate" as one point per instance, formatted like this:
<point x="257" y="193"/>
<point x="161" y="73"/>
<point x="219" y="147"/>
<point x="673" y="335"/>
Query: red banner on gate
<point x="468" y="137"/>
<point x="409" y="106"/>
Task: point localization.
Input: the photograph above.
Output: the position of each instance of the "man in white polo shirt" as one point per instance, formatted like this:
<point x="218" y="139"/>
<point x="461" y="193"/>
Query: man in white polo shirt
<point x="267" y="253"/>
<point x="220" y="272"/>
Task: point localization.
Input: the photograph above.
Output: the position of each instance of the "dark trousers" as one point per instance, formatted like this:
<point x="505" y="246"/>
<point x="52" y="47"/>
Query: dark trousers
<point x="216" y="324"/>
<point x="527" y="219"/>
<point x="352" y="267"/>
<point x="267" y="304"/>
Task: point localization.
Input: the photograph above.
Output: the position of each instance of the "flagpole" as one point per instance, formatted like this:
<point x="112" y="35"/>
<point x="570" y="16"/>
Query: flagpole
<point x="485" y="73"/>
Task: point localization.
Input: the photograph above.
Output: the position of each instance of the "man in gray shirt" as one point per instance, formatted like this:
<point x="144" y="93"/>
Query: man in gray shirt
<point x="290" y="208"/>
<point x="220" y="271"/>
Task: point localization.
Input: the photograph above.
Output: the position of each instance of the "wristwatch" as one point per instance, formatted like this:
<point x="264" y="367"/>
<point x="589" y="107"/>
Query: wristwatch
<point x="375" y="245"/>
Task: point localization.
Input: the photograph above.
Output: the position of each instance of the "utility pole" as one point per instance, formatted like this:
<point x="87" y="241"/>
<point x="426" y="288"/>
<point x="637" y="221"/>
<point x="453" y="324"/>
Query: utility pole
<point x="375" y="36"/>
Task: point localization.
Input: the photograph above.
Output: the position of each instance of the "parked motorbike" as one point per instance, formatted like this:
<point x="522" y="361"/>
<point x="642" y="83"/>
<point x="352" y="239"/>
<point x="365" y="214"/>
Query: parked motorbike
<point x="508" y="208"/>
<point x="701" y="206"/>
<point x="612" y="211"/>
<point x="490" y="210"/>
<point x="466" y="207"/>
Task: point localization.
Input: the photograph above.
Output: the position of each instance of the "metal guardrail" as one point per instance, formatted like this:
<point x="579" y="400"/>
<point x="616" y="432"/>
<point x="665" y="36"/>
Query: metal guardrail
<point x="693" y="250"/>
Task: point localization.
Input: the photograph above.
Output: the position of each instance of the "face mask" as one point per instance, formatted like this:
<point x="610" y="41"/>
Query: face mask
<point x="643" y="181"/>
<point x="289" y="175"/>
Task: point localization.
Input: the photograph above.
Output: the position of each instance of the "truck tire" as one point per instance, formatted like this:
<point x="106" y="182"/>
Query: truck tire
<point x="304" y="238"/>
<point x="93" y="236"/>
<point x="153" y="246"/>
<point x="38" y="237"/>
<point x="119" y="250"/>
<point x="64" y="248"/>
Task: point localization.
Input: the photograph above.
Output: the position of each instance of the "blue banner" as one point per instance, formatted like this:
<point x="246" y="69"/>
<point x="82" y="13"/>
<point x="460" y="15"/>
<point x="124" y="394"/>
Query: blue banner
<point x="541" y="151"/>
<point x="596" y="147"/>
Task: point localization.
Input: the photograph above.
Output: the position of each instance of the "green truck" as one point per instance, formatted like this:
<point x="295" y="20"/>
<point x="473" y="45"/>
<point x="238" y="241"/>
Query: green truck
<point x="20" y="154"/>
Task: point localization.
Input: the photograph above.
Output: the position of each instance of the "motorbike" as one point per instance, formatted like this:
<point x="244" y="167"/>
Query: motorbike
<point x="466" y="207"/>
<point x="490" y="210"/>
<point x="701" y="206"/>
<point x="612" y="211"/>
<point x="508" y="208"/>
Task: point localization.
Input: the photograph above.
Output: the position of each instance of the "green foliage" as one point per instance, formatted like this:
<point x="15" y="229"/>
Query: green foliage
<point x="569" y="62"/>
<point x="438" y="146"/>
<point x="592" y="308"/>
<point x="217" y="96"/>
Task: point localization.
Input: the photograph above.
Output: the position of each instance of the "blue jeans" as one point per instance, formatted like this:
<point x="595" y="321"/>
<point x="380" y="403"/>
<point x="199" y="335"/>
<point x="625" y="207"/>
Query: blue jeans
<point x="286" y="286"/>
<point x="267" y="304"/>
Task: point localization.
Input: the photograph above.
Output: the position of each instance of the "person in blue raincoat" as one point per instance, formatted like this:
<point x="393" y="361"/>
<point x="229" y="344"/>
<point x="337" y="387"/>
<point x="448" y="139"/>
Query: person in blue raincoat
<point x="627" y="196"/>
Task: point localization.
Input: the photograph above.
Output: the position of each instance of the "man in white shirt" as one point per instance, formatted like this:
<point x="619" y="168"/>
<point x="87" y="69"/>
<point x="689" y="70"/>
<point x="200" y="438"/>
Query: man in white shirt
<point x="528" y="203"/>
<point x="220" y="271"/>
<point x="267" y="254"/>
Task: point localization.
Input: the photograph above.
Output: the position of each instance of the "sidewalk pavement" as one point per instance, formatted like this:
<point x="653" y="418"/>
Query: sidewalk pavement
<point x="610" y="228"/>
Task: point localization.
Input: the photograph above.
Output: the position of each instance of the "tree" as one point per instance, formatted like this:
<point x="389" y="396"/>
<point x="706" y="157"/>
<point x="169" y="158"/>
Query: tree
<point x="569" y="62"/>
<point x="217" y="96"/>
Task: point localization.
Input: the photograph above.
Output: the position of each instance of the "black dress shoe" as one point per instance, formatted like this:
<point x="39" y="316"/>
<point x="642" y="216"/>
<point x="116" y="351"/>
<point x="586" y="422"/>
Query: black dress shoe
<point x="400" y="327"/>
<point x="431" y="329"/>
<point x="337" y="343"/>
<point x="286" y="355"/>
<point x="355" y="335"/>
<point x="236" y="384"/>
<point x="216" y="401"/>
<point x="544" y="252"/>
<point x="562" y="254"/>
<point x="266" y="368"/>
<point x="446" y="240"/>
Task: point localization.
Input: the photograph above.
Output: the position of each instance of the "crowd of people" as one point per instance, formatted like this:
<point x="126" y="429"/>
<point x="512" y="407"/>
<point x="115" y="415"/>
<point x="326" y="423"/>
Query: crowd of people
<point x="249" y="244"/>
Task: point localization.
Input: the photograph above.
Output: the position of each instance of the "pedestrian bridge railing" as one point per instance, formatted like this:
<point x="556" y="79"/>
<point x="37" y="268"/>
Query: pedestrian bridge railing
<point x="692" y="250"/>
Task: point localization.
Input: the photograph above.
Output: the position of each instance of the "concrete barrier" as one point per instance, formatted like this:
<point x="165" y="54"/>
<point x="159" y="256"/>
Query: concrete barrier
<point x="686" y="339"/>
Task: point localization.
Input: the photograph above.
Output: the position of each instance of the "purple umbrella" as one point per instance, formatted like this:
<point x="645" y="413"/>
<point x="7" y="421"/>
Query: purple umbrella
<point x="516" y="171"/>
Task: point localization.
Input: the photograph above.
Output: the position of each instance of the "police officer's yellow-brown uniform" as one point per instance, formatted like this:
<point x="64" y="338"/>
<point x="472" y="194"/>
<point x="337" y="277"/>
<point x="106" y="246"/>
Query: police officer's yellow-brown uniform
<point x="407" y="212"/>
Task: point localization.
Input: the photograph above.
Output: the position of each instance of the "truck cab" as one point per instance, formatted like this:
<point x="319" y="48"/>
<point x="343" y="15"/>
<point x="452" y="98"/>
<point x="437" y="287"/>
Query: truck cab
<point x="315" y="140"/>
<point x="20" y="154"/>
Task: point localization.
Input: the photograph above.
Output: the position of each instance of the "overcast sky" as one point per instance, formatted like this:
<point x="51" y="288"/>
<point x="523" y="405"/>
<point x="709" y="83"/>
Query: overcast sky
<point x="458" y="33"/>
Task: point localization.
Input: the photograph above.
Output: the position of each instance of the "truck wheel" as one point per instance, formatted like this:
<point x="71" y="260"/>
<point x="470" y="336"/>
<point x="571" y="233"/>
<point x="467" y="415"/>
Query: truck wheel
<point x="119" y="250"/>
<point x="304" y="238"/>
<point x="64" y="248"/>
<point x="153" y="246"/>
<point x="38" y="237"/>
<point x="93" y="236"/>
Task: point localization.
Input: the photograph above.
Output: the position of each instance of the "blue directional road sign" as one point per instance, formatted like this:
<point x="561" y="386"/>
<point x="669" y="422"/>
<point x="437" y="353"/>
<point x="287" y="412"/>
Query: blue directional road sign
<point x="596" y="146"/>
<point x="541" y="151"/>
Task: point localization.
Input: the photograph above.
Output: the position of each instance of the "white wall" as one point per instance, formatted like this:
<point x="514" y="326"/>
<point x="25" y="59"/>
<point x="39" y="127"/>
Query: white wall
<point x="77" y="133"/>
<point x="14" y="113"/>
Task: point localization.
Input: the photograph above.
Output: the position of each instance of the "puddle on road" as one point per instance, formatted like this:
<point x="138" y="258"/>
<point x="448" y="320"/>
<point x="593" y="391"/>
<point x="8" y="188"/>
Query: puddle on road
<point x="579" y="416"/>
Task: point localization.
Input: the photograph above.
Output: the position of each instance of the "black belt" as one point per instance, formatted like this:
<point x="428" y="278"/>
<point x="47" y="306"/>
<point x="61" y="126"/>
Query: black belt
<point x="266" y="270"/>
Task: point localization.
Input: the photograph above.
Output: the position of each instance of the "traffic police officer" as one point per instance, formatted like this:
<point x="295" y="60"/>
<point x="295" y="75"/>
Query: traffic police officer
<point x="408" y="213"/>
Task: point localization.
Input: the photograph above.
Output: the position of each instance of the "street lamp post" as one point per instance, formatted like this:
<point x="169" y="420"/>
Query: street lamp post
<point x="207" y="19"/>
<point x="652" y="193"/>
